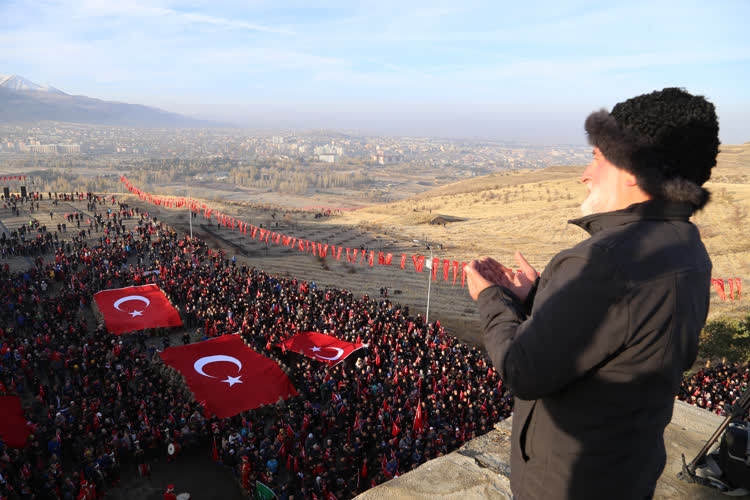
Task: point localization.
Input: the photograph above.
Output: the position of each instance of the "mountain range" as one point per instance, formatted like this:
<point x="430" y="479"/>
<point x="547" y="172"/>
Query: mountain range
<point x="23" y="101"/>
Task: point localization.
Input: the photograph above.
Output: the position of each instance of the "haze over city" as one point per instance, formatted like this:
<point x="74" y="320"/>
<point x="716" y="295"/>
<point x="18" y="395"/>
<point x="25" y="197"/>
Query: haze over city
<point x="527" y="71"/>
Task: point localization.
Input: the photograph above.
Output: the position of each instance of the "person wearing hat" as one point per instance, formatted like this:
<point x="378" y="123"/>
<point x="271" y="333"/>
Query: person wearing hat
<point x="594" y="348"/>
<point x="169" y="494"/>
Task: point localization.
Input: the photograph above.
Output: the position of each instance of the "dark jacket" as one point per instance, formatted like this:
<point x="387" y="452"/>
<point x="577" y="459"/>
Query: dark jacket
<point x="596" y="360"/>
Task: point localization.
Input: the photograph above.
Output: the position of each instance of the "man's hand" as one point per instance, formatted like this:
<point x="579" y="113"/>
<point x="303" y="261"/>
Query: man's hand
<point x="475" y="280"/>
<point x="486" y="272"/>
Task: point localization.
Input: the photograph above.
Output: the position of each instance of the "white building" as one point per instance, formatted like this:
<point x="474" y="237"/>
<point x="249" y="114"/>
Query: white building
<point x="328" y="157"/>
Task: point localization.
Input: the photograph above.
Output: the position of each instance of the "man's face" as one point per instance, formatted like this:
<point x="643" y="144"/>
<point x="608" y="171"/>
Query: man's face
<point x="603" y="180"/>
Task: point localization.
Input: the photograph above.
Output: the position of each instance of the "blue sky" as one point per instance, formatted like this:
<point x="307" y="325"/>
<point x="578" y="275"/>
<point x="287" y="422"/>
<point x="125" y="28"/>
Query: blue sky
<point x="520" y="70"/>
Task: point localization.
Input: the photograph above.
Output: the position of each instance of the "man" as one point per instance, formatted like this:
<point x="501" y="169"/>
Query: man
<point x="594" y="349"/>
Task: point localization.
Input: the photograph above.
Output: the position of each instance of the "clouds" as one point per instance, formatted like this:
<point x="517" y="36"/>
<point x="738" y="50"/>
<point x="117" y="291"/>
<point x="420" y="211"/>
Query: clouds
<point x="456" y="53"/>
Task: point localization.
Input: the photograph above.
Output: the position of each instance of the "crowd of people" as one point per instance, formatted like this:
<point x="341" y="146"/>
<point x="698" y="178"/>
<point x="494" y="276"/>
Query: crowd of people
<point x="351" y="427"/>
<point x="100" y="404"/>
<point x="713" y="387"/>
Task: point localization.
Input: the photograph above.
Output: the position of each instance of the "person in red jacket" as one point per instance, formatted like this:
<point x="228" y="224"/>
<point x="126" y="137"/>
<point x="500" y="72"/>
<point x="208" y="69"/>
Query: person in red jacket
<point x="84" y="493"/>
<point x="246" y="469"/>
<point x="92" y="491"/>
<point x="169" y="494"/>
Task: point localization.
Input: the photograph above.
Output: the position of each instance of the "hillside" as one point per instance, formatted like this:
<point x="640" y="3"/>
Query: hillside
<point x="528" y="211"/>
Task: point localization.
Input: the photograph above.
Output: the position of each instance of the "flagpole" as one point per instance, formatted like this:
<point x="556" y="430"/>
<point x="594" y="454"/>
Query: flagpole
<point x="429" y="279"/>
<point x="429" y="283"/>
<point x="190" y="209"/>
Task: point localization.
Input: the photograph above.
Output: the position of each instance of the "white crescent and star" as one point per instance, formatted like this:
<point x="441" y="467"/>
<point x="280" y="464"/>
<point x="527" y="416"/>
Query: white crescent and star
<point x="205" y="360"/>
<point x="134" y="312"/>
<point x="339" y="352"/>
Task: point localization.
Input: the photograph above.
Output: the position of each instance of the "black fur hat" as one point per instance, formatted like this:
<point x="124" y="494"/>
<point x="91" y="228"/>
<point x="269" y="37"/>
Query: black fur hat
<point x="668" y="139"/>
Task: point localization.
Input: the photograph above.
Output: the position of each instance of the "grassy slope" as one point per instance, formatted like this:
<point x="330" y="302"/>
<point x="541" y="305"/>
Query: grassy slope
<point x="529" y="210"/>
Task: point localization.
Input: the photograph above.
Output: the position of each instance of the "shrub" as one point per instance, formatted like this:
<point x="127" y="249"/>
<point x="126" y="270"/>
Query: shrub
<point x="724" y="338"/>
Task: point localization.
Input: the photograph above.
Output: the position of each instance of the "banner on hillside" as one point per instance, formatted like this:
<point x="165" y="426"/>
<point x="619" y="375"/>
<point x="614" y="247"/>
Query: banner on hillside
<point x="135" y="308"/>
<point x="228" y="376"/>
<point x="14" y="431"/>
<point x="320" y="346"/>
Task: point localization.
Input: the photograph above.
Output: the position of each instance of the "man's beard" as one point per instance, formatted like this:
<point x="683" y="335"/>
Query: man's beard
<point x="593" y="202"/>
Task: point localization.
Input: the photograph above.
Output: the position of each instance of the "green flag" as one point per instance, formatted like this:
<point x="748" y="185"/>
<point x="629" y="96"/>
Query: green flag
<point x="263" y="492"/>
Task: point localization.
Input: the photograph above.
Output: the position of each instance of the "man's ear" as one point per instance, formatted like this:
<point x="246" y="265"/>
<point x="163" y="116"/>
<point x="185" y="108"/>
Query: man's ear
<point x="629" y="179"/>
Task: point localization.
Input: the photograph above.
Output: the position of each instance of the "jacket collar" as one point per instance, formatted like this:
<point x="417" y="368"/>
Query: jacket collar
<point x="648" y="210"/>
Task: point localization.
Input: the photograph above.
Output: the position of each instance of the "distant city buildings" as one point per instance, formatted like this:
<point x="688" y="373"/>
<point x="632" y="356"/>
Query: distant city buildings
<point x="327" y="157"/>
<point x="253" y="147"/>
<point x="68" y="148"/>
<point x="49" y="148"/>
<point x="382" y="158"/>
<point x="328" y="153"/>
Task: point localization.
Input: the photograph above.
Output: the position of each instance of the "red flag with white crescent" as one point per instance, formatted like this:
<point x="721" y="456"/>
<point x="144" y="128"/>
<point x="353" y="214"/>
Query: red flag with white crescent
<point x="228" y="375"/>
<point x="135" y="308"/>
<point x="718" y="284"/>
<point x="322" y="347"/>
<point x="418" y="262"/>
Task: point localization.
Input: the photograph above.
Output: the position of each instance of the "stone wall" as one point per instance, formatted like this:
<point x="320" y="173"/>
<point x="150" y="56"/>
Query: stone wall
<point x="480" y="469"/>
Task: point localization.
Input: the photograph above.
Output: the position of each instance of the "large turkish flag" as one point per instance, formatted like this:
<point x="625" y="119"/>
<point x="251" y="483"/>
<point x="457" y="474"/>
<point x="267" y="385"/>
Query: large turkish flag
<point x="228" y="375"/>
<point x="322" y="347"/>
<point x="135" y="308"/>
<point x="13" y="428"/>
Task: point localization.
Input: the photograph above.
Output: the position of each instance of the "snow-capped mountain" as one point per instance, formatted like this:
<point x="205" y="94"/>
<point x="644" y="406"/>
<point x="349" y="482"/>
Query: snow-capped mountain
<point x="19" y="83"/>
<point x="23" y="101"/>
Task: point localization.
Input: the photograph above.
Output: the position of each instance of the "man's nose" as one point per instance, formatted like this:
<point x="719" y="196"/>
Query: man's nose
<point x="586" y="175"/>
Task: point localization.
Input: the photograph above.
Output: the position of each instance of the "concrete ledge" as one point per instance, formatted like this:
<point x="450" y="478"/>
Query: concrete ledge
<point x="481" y="468"/>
